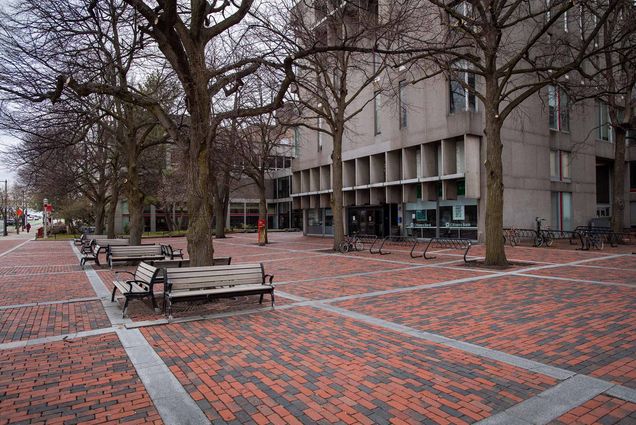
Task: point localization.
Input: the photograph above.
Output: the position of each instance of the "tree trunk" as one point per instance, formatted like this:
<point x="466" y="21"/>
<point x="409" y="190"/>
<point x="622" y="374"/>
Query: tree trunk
<point x="200" y="232"/>
<point x="135" y="201"/>
<point x="262" y="209"/>
<point x="99" y="209"/>
<point x="112" y="209"/>
<point x="219" y="215"/>
<point x="618" y="184"/>
<point x="495" y="250"/>
<point x="221" y="202"/>
<point x="336" y="197"/>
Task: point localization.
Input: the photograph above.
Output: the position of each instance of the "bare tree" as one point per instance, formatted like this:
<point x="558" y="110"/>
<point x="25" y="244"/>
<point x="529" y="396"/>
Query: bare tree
<point x="334" y="85"/>
<point x="517" y="48"/>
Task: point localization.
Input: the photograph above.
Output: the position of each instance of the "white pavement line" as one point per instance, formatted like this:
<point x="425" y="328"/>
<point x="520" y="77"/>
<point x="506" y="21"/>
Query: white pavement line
<point x="112" y="309"/>
<point x="571" y="279"/>
<point x="14" y="248"/>
<point x="552" y="403"/>
<point x="174" y="404"/>
<point x="63" y="337"/>
<point x="69" y="301"/>
<point x="624" y="269"/>
<point x="624" y="393"/>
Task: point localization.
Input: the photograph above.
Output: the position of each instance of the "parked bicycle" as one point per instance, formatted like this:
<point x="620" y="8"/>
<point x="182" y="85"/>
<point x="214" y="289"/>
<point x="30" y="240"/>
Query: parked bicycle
<point x="351" y="243"/>
<point x="512" y="236"/>
<point x="544" y="236"/>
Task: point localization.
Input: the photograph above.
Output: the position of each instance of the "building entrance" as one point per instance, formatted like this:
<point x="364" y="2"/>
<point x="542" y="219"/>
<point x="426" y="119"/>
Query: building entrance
<point x="372" y="220"/>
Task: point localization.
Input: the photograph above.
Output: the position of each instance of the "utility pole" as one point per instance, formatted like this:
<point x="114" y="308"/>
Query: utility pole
<point x="6" y="203"/>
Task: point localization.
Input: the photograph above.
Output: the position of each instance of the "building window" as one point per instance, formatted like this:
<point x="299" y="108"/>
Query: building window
<point x="604" y="124"/>
<point x="320" y="135"/>
<point x="377" y="107"/>
<point x="558" y="104"/>
<point x="296" y="141"/>
<point x="462" y="9"/>
<point x="560" y="165"/>
<point x="403" y="106"/>
<point x="462" y="91"/>
<point x="562" y="210"/>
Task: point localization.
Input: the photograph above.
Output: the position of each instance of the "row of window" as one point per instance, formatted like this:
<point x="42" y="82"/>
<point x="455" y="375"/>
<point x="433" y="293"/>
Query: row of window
<point x="461" y="99"/>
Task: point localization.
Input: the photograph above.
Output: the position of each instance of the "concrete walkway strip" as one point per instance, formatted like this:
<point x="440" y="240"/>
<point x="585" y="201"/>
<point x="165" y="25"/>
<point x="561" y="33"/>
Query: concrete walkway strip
<point x="14" y="248"/>
<point x="45" y="340"/>
<point x="72" y="300"/>
<point x="510" y="359"/>
<point x="112" y="309"/>
<point x="174" y="404"/>
<point x="552" y="403"/>
<point x="571" y="279"/>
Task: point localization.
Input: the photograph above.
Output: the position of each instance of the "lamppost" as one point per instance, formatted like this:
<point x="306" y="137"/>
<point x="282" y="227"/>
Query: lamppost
<point x="45" y="216"/>
<point x="6" y="203"/>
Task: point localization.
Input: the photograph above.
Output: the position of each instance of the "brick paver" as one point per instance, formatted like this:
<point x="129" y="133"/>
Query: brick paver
<point x="38" y="269"/>
<point x="25" y="323"/>
<point x="7" y="244"/>
<point x="87" y="381"/>
<point x="24" y="289"/>
<point x="325" y="266"/>
<point x="601" y="274"/>
<point x="342" y="286"/>
<point x="282" y="366"/>
<point x="601" y="410"/>
<point x="582" y="327"/>
<point x="303" y="364"/>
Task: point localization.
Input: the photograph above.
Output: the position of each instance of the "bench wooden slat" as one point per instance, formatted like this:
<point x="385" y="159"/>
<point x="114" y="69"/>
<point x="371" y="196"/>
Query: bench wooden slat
<point x="145" y="276"/>
<point x="215" y="282"/>
<point x="194" y="293"/>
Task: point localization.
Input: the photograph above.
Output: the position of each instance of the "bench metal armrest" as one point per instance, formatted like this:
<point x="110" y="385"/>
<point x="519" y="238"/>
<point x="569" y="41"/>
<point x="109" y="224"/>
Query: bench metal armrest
<point x="271" y="278"/>
<point x="122" y="272"/>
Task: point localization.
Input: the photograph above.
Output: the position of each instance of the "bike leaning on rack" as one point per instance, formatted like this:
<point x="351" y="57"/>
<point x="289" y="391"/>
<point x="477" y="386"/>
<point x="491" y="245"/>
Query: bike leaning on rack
<point x="351" y="243"/>
<point x="544" y="237"/>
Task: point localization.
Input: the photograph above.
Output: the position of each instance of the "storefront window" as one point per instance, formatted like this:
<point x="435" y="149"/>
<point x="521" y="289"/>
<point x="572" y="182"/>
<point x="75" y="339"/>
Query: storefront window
<point x="457" y="218"/>
<point x="251" y="215"/>
<point x="237" y="215"/>
<point x="314" y="221"/>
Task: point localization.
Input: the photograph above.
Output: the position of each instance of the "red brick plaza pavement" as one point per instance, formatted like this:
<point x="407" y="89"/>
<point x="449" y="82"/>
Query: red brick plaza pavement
<point x="355" y="338"/>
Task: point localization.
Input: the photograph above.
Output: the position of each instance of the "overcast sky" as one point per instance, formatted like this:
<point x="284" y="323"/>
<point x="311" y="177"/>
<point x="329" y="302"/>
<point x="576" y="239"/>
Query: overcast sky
<point x="5" y="172"/>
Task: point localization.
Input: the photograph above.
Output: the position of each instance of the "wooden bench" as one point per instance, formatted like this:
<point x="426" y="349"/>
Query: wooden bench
<point x="134" y="253"/>
<point x="171" y="252"/>
<point x="140" y="286"/>
<point x="188" y="283"/>
<point x="445" y="243"/>
<point x="171" y="264"/>
<point x="87" y="238"/>
<point x="90" y="252"/>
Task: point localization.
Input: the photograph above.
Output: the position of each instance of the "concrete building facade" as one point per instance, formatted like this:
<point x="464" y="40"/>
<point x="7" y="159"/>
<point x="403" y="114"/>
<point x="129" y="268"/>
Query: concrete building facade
<point x="416" y="166"/>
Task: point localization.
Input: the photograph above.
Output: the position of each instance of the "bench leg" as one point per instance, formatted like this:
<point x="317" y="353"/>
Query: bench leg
<point x="125" y="308"/>
<point x="154" y="303"/>
<point x="112" y="298"/>
<point x="272" y="299"/>
<point x="260" y="301"/>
